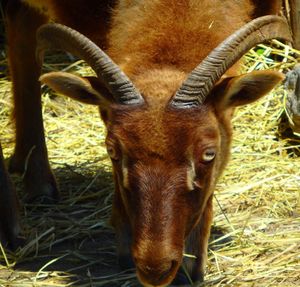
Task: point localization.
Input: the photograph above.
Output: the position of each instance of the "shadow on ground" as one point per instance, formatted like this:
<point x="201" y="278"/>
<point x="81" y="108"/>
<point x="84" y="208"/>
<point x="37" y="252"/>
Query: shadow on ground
<point x="73" y="237"/>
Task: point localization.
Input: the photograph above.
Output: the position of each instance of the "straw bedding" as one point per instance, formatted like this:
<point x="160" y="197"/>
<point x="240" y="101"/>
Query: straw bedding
<point x="257" y="201"/>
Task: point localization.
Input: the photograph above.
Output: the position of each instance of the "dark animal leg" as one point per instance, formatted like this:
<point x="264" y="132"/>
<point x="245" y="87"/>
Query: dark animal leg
<point x="30" y="156"/>
<point x="9" y="216"/>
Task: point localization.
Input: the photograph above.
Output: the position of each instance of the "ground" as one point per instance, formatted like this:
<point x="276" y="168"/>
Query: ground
<point x="257" y="201"/>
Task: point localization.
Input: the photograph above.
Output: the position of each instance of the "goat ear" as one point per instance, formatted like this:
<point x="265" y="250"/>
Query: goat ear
<point x="245" y="89"/>
<point x="87" y="90"/>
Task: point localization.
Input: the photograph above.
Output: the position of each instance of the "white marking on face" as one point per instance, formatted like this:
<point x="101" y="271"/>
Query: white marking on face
<point x="125" y="173"/>
<point x="190" y="177"/>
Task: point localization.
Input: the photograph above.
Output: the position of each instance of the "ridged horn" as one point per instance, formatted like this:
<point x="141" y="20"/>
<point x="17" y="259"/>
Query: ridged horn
<point x="55" y="36"/>
<point x="202" y="79"/>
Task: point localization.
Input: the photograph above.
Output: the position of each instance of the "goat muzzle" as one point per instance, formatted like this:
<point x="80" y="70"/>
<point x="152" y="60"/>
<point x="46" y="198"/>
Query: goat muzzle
<point x="156" y="271"/>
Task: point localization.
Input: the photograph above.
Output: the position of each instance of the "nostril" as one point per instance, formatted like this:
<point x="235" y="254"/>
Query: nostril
<point x="173" y="264"/>
<point x="169" y="270"/>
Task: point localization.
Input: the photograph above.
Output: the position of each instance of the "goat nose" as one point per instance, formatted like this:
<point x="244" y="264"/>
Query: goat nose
<point x="155" y="273"/>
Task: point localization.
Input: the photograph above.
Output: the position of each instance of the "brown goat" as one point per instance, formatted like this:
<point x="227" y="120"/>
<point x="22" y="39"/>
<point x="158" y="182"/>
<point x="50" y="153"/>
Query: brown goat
<point x="168" y="129"/>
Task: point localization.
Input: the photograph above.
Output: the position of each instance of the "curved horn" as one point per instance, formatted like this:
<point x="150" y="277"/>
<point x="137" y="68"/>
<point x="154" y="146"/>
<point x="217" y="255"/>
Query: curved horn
<point x="59" y="37"/>
<point x="202" y="79"/>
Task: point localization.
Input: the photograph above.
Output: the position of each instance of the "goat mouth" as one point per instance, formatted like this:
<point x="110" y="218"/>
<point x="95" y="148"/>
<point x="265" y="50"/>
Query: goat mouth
<point x="152" y="278"/>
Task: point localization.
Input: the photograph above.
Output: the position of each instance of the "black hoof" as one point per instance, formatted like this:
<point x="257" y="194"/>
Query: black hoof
<point x="45" y="194"/>
<point x="42" y="190"/>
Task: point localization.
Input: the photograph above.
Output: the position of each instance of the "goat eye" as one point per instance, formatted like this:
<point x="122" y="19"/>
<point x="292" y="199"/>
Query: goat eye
<point x="112" y="152"/>
<point x="209" y="155"/>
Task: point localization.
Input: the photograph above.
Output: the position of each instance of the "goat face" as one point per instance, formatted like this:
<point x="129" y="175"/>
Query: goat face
<point x="165" y="160"/>
<point x="168" y="136"/>
<point x="165" y="163"/>
<point x="165" y="174"/>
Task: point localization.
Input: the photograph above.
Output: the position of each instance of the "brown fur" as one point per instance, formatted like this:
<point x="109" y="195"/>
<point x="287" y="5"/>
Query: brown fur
<point x="173" y="31"/>
<point x="163" y="180"/>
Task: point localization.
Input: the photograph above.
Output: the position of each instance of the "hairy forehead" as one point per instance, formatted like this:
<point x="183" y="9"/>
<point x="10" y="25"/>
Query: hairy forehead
<point x="163" y="132"/>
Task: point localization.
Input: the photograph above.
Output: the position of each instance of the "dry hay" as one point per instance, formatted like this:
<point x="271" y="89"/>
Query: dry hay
<point x="257" y="199"/>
